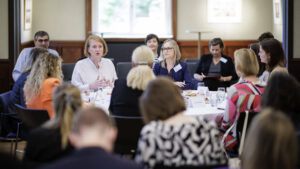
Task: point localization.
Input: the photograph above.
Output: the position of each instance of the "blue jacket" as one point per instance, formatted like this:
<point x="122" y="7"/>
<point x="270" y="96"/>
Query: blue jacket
<point x="180" y="75"/>
<point x="17" y="94"/>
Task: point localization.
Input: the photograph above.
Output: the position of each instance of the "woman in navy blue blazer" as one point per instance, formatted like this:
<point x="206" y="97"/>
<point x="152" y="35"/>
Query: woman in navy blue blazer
<point x="172" y="66"/>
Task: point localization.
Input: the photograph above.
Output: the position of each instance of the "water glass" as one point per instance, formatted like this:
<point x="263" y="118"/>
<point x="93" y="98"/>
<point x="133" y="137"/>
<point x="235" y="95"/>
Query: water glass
<point x="221" y="94"/>
<point x="213" y="99"/>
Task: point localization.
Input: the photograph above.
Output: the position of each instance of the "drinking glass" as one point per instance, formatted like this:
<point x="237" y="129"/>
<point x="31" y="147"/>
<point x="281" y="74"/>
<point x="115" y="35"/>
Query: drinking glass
<point x="221" y="94"/>
<point x="213" y="99"/>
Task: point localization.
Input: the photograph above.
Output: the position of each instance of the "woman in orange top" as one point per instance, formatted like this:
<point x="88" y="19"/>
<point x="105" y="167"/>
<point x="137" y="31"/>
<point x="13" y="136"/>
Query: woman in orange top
<point x="46" y="73"/>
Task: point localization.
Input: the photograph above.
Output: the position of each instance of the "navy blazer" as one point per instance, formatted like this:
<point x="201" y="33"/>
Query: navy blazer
<point x="227" y="69"/>
<point x="181" y="75"/>
<point x="93" y="158"/>
<point x="124" y="100"/>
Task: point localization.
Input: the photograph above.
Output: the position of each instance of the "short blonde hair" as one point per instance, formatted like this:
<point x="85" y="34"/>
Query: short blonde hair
<point x="142" y="55"/>
<point x="97" y="38"/>
<point x="176" y="50"/>
<point x="139" y="77"/>
<point x="246" y="62"/>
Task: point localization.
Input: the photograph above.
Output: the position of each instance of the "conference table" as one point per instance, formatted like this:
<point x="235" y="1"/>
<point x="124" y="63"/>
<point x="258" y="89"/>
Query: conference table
<point x="195" y="106"/>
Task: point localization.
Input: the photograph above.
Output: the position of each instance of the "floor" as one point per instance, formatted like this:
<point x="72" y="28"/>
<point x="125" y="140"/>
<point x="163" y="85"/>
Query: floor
<point x="5" y="146"/>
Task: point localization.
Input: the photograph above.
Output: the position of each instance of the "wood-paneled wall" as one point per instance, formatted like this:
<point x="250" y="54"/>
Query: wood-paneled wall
<point x="71" y="51"/>
<point x="189" y="49"/>
<point x="5" y="74"/>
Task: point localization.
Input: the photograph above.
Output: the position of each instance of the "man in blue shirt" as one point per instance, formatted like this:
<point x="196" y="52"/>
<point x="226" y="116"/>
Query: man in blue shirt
<point x="41" y="40"/>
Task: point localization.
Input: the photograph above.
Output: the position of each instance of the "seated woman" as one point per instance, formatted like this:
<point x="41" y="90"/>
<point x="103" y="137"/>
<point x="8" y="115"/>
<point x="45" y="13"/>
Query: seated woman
<point x="216" y="69"/>
<point x="271" y="142"/>
<point x="17" y="93"/>
<point x="171" y="138"/>
<point x="244" y="95"/>
<point x="271" y="53"/>
<point x="50" y="141"/>
<point x="45" y="74"/>
<point x="94" y="72"/>
<point x="152" y="42"/>
<point x="172" y="66"/>
<point x="283" y="93"/>
<point x="126" y="92"/>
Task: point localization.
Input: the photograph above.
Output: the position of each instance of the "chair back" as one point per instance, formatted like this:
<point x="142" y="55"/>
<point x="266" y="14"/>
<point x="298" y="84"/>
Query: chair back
<point x="242" y="126"/>
<point x="191" y="60"/>
<point x="123" y="68"/>
<point x="192" y="67"/>
<point x="67" y="70"/>
<point x="129" y="129"/>
<point x="216" y="166"/>
<point x="4" y="102"/>
<point x="32" y="118"/>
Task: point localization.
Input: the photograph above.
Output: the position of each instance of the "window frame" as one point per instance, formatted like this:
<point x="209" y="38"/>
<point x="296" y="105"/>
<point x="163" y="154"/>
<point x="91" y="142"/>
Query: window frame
<point x="88" y="26"/>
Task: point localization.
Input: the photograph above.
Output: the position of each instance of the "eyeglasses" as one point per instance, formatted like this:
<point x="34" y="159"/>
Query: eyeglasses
<point x="43" y="40"/>
<point x="166" y="49"/>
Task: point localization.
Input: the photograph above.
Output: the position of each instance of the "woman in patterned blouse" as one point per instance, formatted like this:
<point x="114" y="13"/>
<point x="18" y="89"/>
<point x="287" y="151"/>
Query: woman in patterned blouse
<point x="244" y="95"/>
<point x="171" y="138"/>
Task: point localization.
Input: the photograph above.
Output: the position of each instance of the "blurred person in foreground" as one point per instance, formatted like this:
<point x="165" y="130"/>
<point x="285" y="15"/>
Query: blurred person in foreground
<point x="171" y="138"/>
<point x="271" y="142"/>
<point x="93" y="136"/>
<point x="50" y="142"/>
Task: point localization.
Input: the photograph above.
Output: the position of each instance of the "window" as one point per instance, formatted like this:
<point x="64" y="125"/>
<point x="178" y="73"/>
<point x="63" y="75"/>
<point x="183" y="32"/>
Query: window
<point x="132" y="18"/>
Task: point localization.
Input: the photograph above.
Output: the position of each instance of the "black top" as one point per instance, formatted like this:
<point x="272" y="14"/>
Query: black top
<point x="93" y="158"/>
<point x="227" y="69"/>
<point x="44" y="146"/>
<point x="124" y="100"/>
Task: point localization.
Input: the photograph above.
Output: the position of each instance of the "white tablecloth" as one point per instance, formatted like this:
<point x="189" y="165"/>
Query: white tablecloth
<point x="194" y="106"/>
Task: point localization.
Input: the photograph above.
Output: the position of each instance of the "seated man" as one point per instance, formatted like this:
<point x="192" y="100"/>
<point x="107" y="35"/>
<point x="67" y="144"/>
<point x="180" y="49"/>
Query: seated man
<point x="41" y="40"/>
<point x="93" y="136"/>
<point x="216" y="69"/>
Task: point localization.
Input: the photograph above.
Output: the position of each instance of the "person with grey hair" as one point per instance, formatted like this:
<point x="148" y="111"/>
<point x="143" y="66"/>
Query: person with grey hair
<point x="41" y="40"/>
<point x="172" y="67"/>
<point x="126" y="93"/>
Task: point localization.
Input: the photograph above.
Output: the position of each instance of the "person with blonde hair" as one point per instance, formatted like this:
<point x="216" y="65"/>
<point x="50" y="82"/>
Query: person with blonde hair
<point x="271" y="142"/>
<point x="126" y="92"/>
<point x="45" y="74"/>
<point x="171" y="138"/>
<point x="172" y="66"/>
<point x="54" y="133"/>
<point x="245" y="95"/>
<point x="93" y="135"/>
<point x="94" y="72"/>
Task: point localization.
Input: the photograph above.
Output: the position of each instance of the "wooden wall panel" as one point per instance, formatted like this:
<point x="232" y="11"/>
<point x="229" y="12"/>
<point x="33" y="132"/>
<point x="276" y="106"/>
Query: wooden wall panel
<point x="71" y="51"/>
<point x="189" y="48"/>
<point x="5" y="74"/>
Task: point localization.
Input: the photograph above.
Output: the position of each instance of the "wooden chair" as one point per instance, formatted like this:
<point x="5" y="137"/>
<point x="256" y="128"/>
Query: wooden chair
<point x="129" y="129"/>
